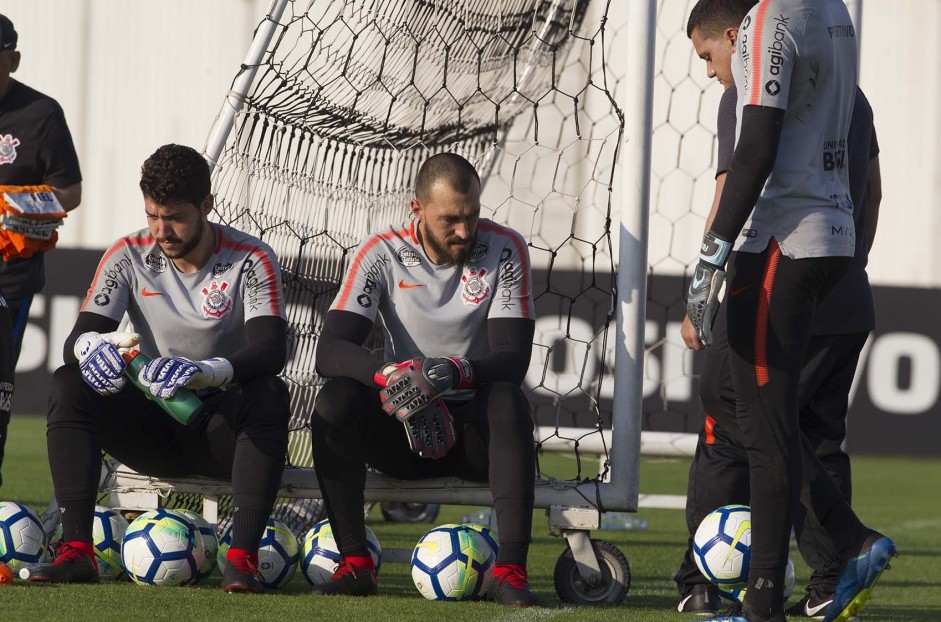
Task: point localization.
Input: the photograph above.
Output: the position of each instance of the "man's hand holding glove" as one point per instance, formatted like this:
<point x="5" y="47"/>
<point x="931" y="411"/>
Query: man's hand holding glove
<point x="702" y="301"/>
<point x="100" y="361"/>
<point x="168" y="374"/>
<point x="411" y="392"/>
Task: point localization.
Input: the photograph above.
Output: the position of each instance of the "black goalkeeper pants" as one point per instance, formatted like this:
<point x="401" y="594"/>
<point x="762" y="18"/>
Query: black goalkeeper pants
<point x="494" y="443"/>
<point x="239" y="434"/>
<point x="771" y="305"/>
<point x="7" y="365"/>
<point x="718" y="474"/>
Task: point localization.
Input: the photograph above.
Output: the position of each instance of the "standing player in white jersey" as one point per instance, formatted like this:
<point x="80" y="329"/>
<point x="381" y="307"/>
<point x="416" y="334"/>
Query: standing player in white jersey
<point x="208" y="305"/>
<point x="795" y="64"/>
<point x="454" y="295"/>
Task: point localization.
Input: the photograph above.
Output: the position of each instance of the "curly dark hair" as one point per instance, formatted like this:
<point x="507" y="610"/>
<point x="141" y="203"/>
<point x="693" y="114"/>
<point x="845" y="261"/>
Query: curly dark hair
<point x="175" y="174"/>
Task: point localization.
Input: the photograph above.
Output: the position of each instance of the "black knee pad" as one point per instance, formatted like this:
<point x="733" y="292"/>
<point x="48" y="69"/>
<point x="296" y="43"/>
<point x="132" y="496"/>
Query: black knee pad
<point x="508" y="410"/>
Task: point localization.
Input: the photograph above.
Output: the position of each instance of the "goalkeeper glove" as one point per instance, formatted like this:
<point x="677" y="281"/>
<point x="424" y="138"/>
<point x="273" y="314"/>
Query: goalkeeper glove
<point x="702" y="302"/>
<point x="430" y="431"/>
<point x="409" y="386"/>
<point x="100" y="361"/>
<point x="168" y="374"/>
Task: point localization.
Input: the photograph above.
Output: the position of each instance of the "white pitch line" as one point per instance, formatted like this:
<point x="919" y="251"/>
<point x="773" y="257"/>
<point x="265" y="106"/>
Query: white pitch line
<point x="534" y="613"/>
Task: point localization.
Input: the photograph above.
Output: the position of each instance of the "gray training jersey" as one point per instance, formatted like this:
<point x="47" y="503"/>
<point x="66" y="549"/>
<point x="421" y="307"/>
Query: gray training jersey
<point x="800" y="56"/>
<point x="430" y="310"/>
<point x="198" y="315"/>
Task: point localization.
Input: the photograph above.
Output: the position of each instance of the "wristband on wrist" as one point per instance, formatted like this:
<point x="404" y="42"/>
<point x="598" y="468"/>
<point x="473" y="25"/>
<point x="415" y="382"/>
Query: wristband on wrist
<point x="714" y="250"/>
<point x="464" y="372"/>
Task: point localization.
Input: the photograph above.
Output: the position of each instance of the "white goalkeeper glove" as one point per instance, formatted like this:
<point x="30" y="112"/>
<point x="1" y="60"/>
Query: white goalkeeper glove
<point x="168" y="374"/>
<point x="702" y="302"/>
<point x="100" y="361"/>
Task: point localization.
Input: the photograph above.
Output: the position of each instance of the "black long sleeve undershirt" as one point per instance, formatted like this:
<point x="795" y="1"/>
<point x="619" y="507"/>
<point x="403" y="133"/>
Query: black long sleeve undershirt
<point x="340" y="350"/>
<point x="264" y="354"/>
<point x="751" y="165"/>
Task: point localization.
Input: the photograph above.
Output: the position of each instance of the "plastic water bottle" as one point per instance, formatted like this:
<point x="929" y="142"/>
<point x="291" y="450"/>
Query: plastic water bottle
<point x="622" y="521"/>
<point x="181" y="406"/>
<point x="480" y="517"/>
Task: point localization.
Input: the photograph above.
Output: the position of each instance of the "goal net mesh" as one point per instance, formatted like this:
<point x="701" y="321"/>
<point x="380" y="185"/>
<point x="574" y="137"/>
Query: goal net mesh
<point x="352" y="96"/>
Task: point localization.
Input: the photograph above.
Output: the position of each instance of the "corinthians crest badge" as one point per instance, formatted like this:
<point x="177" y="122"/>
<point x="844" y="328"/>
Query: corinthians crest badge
<point x="217" y="302"/>
<point x="8" y="146"/>
<point x="475" y="289"/>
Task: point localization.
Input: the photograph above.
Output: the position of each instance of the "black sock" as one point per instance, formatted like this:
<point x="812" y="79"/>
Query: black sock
<point x="513" y="553"/>
<point x="77" y="519"/>
<point x="765" y="595"/>
<point x="248" y="526"/>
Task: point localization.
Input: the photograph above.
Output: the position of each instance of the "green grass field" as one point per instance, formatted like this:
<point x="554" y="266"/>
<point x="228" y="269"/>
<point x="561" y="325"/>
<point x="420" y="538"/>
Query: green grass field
<point x="900" y="497"/>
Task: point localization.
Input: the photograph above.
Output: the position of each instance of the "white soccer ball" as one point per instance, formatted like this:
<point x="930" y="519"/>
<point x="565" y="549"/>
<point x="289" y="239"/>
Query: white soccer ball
<point x="108" y="531"/>
<point x="722" y="546"/>
<point x="210" y="542"/>
<point x="450" y="562"/>
<point x="489" y="537"/>
<point x="163" y="548"/>
<point x="22" y="537"/>
<point x="277" y="553"/>
<point x="320" y="555"/>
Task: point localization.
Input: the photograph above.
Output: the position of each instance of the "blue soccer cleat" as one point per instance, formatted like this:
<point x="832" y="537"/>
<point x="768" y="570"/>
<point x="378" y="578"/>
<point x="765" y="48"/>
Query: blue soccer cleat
<point x="860" y="574"/>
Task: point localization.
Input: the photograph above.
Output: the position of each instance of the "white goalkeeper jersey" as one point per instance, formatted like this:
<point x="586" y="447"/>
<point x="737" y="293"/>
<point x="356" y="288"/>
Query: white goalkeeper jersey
<point x="430" y="310"/>
<point x="800" y="56"/>
<point x="198" y="315"/>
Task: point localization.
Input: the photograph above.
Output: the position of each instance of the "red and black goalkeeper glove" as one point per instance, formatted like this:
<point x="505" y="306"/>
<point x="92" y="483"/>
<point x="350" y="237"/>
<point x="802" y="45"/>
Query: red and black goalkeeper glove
<point x="410" y="386"/>
<point x="430" y="431"/>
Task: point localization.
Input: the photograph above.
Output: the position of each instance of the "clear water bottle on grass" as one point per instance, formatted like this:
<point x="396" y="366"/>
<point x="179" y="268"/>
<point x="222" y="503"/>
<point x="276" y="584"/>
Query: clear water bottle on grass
<point x="622" y="521"/>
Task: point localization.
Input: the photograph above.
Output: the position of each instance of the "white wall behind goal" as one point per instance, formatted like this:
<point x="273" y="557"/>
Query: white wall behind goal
<point x="132" y="75"/>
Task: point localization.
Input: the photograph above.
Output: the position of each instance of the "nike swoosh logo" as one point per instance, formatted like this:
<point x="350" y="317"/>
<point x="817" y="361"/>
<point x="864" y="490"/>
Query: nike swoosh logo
<point x="404" y="285"/>
<point x="744" y="526"/>
<point x="147" y="292"/>
<point x="813" y="611"/>
<point x="738" y="290"/>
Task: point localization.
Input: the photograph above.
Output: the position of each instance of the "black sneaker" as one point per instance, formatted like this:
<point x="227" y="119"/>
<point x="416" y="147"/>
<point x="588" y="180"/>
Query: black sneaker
<point x="701" y="598"/>
<point x="348" y="581"/>
<point x="512" y="590"/>
<point x="813" y="605"/>
<point x="241" y="576"/>
<point x="70" y="566"/>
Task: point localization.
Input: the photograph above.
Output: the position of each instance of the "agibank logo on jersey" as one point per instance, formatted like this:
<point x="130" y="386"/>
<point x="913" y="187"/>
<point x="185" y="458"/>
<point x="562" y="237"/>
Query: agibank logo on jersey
<point x="217" y="302"/>
<point x="8" y="146"/>
<point x="475" y="289"/>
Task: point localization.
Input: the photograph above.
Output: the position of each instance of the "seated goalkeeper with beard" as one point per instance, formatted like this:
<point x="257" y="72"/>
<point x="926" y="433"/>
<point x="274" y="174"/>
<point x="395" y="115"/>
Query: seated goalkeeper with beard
<point x="444" y="397"/>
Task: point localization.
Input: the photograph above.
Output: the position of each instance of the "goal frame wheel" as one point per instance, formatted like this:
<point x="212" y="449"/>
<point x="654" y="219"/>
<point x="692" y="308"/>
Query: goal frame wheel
<point x="609" y="588"/>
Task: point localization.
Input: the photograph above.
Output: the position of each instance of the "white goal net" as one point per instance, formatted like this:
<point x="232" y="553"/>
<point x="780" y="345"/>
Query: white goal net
<point x="347" y="98"/>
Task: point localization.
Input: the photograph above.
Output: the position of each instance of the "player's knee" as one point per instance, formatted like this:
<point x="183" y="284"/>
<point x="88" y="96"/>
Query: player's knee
<point x="337" y="402"/>
<point x="265" y="407"/>
<point x="66" y="393"/>
<point x="508" y="411"/>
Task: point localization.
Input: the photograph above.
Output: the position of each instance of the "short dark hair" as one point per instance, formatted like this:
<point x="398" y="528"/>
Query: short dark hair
<point x="175" y="174"/>
<point x="712" y="17"/>
<point x="457" y="171"/>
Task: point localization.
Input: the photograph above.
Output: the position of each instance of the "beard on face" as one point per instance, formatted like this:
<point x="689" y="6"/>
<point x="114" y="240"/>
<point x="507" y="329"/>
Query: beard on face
<point x="187" y="245"/>
<point x="444" y="248"/>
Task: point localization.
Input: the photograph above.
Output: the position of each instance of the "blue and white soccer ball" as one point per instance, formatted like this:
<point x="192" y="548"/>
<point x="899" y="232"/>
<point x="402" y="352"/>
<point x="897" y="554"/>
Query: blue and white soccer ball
<point x="164" y="548"/>
<point x="108" y="531"/>
<point x="277" y="553"/>
<point x="450" y="562"/>
<point x="489" y="537"/>
<point x="22" y="537"/>
<point x="320" y="555"/>
<point x="210" y="543"/>
<point x="722" y="546"/>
